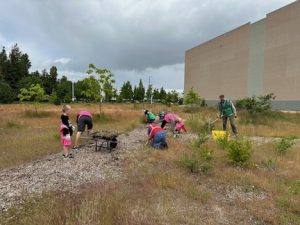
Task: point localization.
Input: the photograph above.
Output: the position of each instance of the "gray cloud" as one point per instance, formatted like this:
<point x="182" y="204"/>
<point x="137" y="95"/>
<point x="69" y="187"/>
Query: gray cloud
<point x="133" y="38"/>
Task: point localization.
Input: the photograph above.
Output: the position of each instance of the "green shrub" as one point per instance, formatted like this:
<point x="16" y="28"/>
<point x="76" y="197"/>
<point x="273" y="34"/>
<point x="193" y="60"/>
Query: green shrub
<point x="223" y="142"/>
<point x="192" y="98"/>
<point x="239" y="151"/>
<point x="196" y="124"/>
<point x="282" y="145"/>
<point x="200" y="159"/>
<point x="195" y="163"/>
<point x="256" y="105"/>
<point x="200" y="140"/>
<point x="193" y="101"/>
<point x="190" y="162"/>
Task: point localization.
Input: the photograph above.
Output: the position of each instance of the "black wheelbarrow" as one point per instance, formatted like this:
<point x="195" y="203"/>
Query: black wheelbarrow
<point x="105" y="141"/>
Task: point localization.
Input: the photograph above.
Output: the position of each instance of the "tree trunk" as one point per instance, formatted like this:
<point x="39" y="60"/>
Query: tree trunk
<point x="35" y="107"/>
<point x="100" y="107"/>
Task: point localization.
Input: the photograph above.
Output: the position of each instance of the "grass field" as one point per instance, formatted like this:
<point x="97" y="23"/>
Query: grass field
<point x="157" y="189"/>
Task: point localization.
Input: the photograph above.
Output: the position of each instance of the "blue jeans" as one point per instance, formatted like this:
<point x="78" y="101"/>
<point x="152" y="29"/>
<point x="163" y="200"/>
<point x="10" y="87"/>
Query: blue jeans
<point x="159" y="139"/>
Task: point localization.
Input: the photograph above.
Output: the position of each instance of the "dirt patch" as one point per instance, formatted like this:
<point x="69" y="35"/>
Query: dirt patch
<point x="53" y="173"/>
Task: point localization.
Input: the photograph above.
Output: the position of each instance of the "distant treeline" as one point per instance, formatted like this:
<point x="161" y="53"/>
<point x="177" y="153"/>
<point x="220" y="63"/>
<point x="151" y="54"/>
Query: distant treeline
<point x="16" y="79"/>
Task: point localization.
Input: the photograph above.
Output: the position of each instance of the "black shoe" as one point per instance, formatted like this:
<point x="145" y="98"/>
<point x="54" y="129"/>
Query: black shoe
<point x="75" y="148"/>
<point x="69" y="156"/>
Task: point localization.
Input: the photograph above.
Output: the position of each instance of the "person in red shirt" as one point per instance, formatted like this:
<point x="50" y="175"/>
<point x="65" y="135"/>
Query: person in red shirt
<point x="157" y="136"/>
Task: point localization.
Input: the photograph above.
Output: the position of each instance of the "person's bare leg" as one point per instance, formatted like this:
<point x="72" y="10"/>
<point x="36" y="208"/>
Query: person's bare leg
<point x="66" y="150"/>
<point x="78" y="135"/>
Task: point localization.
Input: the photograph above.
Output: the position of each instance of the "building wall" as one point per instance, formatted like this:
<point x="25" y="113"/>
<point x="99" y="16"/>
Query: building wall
<point x="253" y="59"/>
<point x="256" y="58"/>
<point x="218" y="65"/>
<point x="282" y="53"/>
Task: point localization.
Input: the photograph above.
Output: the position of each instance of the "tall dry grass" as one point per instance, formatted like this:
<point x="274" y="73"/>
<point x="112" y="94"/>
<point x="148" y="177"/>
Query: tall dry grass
<point x="155" y="190"/>
<point x="27" y="136"/>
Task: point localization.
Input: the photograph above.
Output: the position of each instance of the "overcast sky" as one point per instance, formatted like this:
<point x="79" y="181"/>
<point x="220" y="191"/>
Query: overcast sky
<point x="133" y="38"/>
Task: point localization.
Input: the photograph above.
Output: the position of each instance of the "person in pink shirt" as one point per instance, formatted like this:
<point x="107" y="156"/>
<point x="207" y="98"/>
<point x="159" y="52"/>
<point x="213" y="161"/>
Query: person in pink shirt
<point x="180" y="126"/>
<point x="84" y="119"/>
<point x="171" y="119"/>
<point x="66" y="131"/>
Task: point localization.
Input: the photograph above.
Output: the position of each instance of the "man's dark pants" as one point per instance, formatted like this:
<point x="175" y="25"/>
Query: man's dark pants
<point x="231" y="119"/>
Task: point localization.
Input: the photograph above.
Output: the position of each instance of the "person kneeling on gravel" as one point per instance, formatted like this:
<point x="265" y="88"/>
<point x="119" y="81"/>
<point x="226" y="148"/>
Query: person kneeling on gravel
<point x="84" y="119"/>
<point x="157" y="136"/>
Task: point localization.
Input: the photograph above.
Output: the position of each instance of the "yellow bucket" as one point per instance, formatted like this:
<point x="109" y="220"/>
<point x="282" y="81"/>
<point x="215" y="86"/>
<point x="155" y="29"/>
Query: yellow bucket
<point x="219" y="134"/>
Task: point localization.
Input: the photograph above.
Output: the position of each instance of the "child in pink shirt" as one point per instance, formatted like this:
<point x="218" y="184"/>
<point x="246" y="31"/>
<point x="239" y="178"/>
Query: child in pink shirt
<point x="66" y="131"/>
<point x="180" y="126"/>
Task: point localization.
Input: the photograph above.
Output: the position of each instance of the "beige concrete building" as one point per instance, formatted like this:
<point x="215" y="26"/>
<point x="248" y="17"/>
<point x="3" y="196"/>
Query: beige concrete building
<point x="254" y="59"/>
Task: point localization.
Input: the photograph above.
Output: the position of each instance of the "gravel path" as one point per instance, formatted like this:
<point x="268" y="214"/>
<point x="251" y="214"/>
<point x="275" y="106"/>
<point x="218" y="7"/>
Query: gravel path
<point x="55" y="173"/>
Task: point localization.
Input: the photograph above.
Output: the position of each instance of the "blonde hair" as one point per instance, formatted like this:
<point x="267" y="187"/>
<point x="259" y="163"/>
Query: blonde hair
<point x="65" y="108"/>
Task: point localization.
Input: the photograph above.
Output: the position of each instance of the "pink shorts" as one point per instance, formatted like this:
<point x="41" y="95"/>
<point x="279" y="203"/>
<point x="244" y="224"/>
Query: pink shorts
<point x="66" y="142"/>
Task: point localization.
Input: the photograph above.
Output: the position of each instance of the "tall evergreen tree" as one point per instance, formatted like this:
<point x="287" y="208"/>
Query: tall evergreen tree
<point x="135" y="93"/>
<point x="7" y="95"/>
<point x="162" y="94"/>
<point x="140" y="91"/>
<point x="32" y="78"/>
<point x="53" y="77"/>
<point x="18" y="67"/>
<point x="24" y="65"/>
<point x="50" y="80"/>
<point x="109" y="91"/>
<point x="64" y="90"/>
<point x="126" y="92"/>
<point x="3" y="63"/>
<point x="156" y="95"/>
<point x="149" y="93"/>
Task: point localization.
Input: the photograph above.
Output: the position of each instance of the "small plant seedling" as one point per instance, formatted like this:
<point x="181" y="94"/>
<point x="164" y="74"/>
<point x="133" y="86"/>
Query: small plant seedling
<point x="282" y="145"/>
<point x="239" y="152"/>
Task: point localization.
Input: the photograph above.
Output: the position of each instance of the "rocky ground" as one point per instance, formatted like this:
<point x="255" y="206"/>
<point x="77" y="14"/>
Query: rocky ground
<point x="55" y="173"/>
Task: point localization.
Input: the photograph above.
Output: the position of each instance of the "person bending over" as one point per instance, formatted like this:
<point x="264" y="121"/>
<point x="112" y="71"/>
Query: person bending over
<point x="84" y="119"/>
<point x="180" y="126"/>
<point x="171" y="119"/>
<point x="149" y="116"/>
<point x="157" y="136"/>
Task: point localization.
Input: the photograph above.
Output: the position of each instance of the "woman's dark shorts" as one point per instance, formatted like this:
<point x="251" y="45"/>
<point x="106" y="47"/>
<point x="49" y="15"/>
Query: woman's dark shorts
<point x="84" y="121"/>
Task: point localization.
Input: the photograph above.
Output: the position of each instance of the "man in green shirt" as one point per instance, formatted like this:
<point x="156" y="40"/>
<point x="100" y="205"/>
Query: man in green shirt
<point x="227" y="110"/>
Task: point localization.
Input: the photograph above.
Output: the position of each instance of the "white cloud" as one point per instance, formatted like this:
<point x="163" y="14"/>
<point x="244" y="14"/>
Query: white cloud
<point x="62" y="61"/>
<point x="130" y="37"/>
